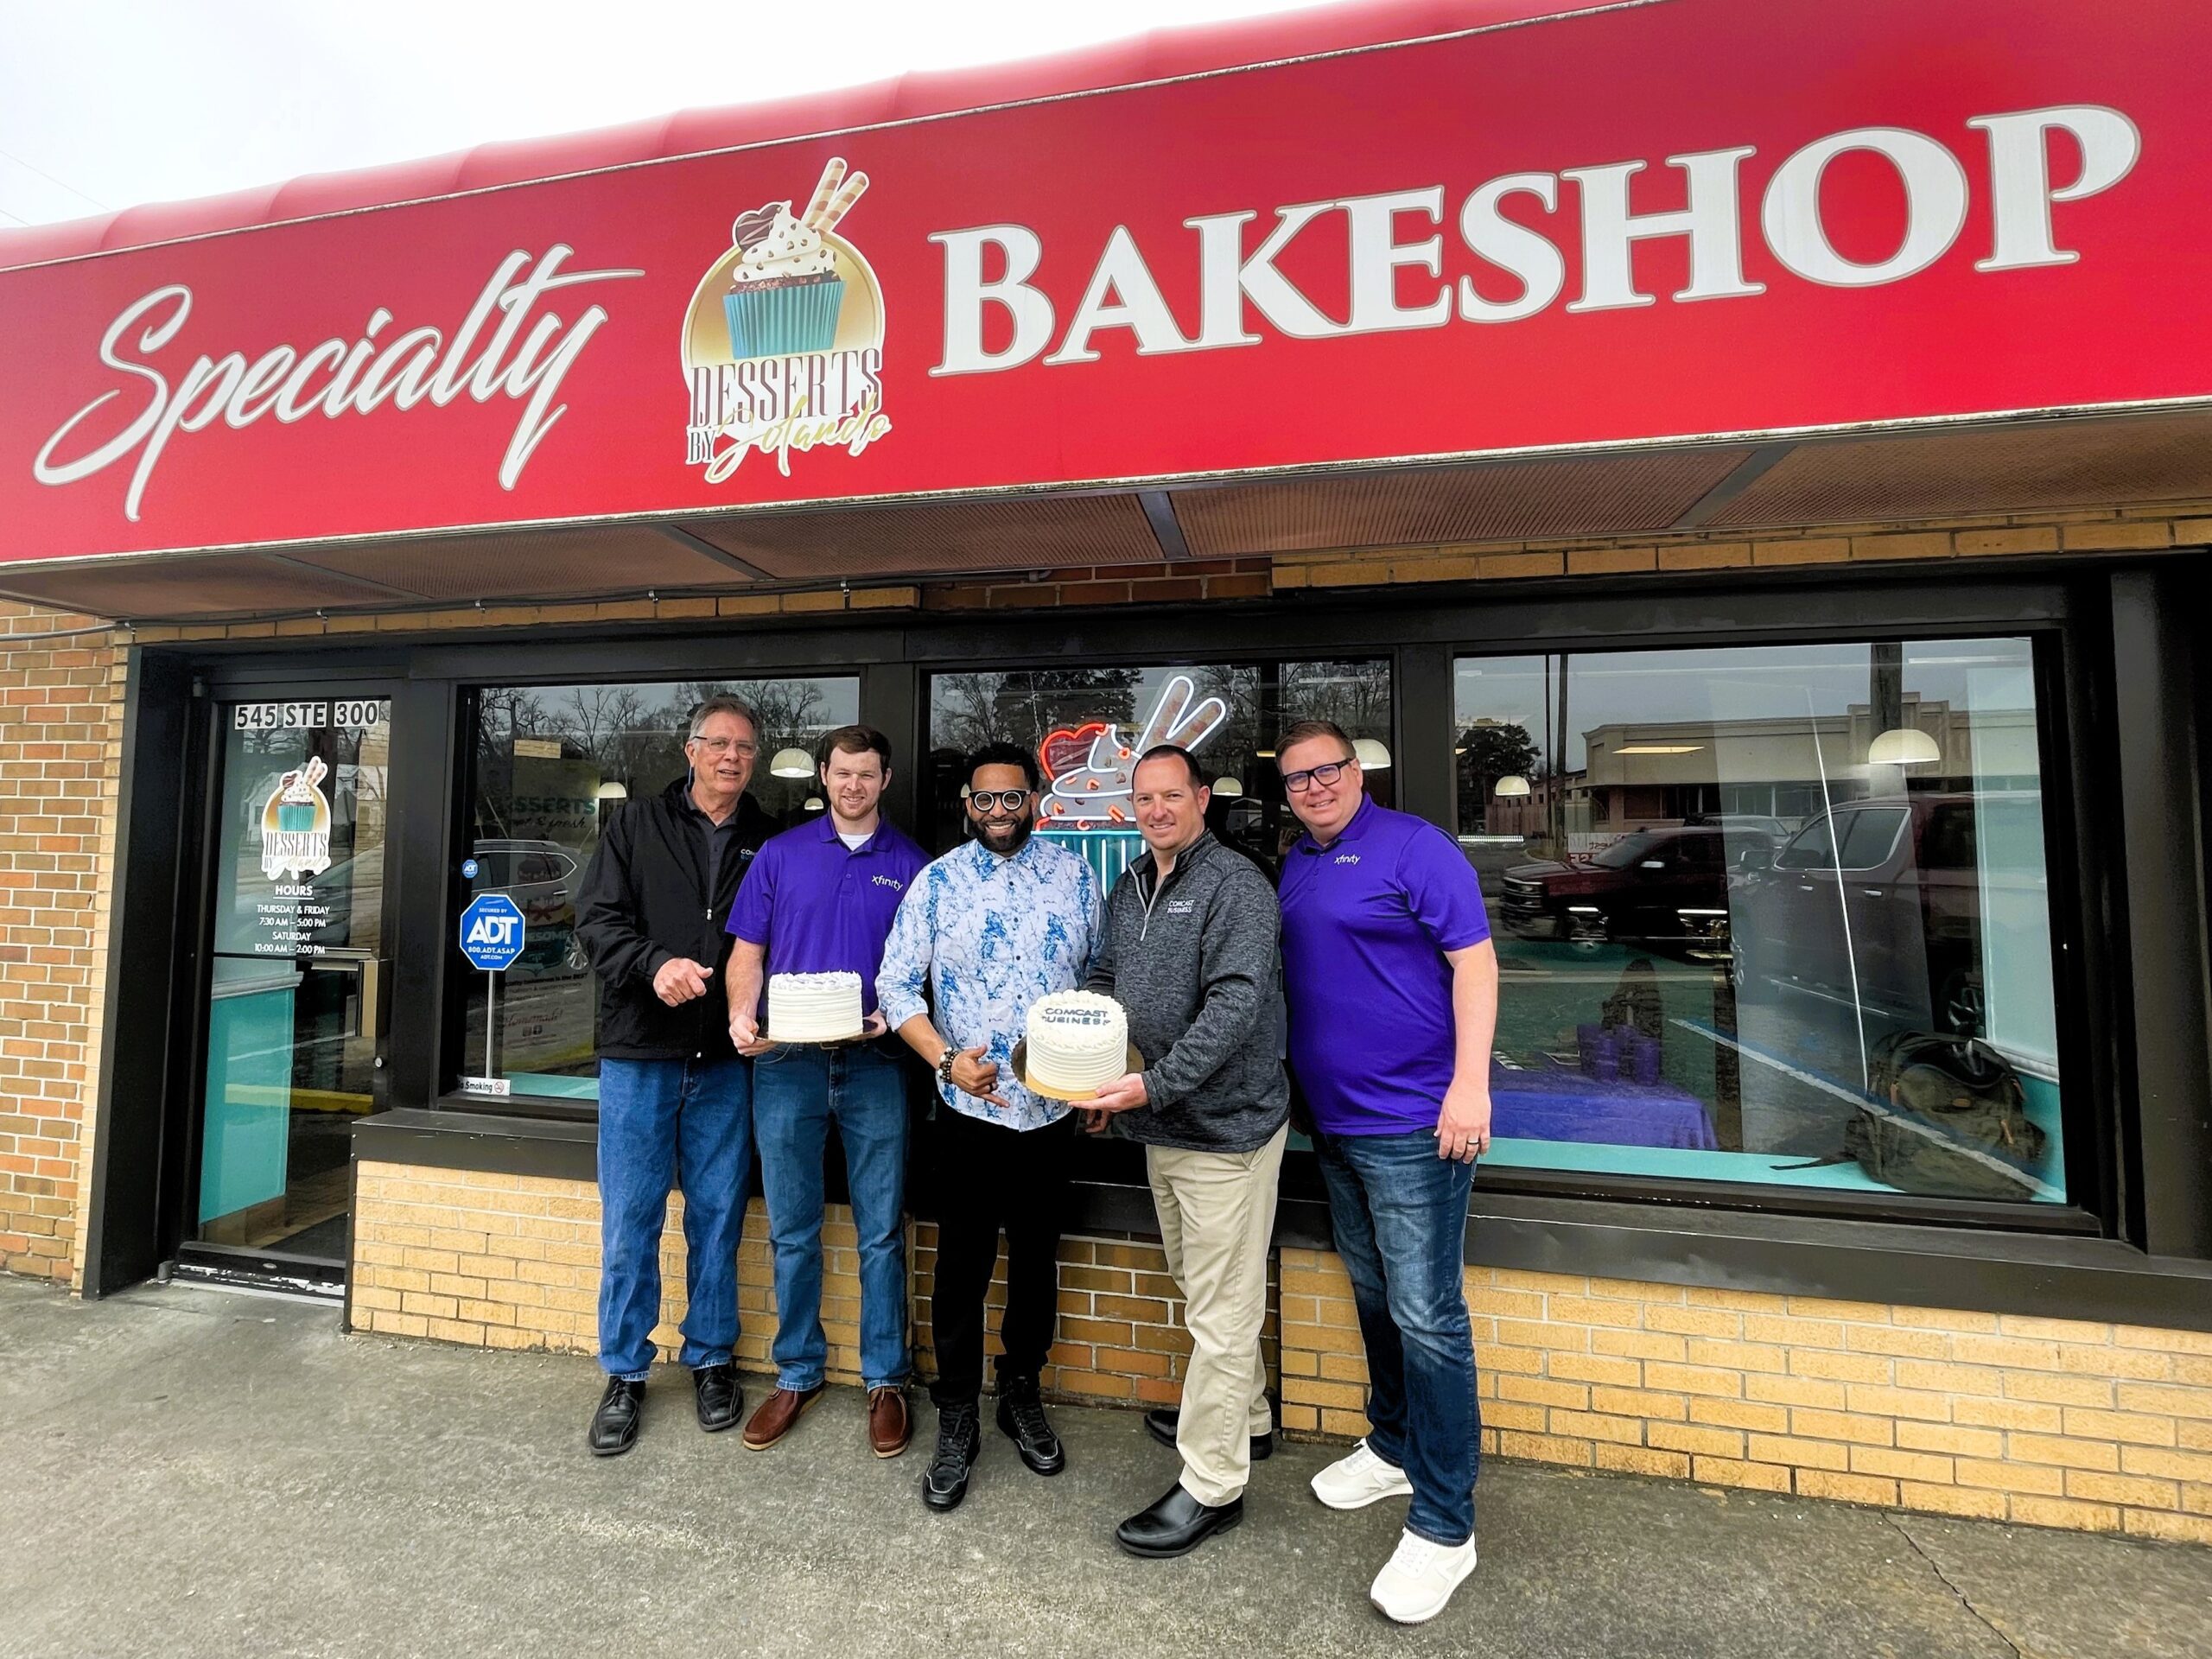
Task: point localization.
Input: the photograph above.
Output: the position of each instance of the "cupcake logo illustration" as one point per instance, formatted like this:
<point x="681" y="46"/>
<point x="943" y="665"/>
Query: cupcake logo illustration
<point x="295" y="824"/>
<point x="783" y="343"/>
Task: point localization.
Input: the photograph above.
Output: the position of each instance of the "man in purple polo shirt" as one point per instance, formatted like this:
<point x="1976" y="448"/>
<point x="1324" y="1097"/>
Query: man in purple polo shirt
<point x="820" y="900"/>
<point x="1393" y="989"/>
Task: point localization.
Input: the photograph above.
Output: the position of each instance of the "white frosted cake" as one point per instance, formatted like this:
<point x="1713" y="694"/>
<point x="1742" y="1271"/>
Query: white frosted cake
<point x="1078" y="1042"/>
<point x="814" y="1008"/>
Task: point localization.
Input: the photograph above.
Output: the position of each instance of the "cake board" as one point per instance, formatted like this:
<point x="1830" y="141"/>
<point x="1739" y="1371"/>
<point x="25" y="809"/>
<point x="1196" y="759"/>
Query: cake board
<point x="1131" y="1061"/>
<point x="858" y="1037"/>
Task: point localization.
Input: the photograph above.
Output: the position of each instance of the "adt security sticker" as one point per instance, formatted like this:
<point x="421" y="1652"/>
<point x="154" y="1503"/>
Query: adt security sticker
<point x="490" y="931"/>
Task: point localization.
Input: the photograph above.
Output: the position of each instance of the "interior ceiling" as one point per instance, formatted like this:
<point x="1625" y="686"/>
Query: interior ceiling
<point x="1870" y="479"/>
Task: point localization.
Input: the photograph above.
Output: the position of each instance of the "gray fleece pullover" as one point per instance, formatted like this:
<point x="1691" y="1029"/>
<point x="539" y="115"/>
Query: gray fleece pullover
<point x="1197" y="962"/>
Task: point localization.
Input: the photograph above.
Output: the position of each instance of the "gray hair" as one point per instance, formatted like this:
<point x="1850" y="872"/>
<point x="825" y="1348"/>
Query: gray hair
<point x="713" y="706"/>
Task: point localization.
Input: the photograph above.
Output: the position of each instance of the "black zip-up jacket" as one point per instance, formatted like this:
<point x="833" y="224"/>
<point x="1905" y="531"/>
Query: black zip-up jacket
<point x="643" y="902"/>
<point x="1197" y="964"/>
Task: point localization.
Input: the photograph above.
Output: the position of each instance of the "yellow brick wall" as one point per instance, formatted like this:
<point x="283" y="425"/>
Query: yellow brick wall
<point x="512" y="1262"/>
<point x="60" y="756"/>
<point x="2042" y="1422"/>
<point x="2045" y="1422"/>
<point x="2150" y="528"/>
<point x="1964" y="541"/>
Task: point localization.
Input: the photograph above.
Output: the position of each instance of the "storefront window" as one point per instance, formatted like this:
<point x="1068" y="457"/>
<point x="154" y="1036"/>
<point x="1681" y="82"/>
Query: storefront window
<point x="1769" y="914"/>
<point x="552" y="761"/>
<point x="1087" y="724"/>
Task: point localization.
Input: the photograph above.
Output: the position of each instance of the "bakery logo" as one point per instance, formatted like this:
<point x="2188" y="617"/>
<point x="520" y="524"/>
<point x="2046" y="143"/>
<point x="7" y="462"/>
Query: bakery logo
<point x="1091" y="766"/>
<point x="783" y="344"/>
<point x="295" y="824"/>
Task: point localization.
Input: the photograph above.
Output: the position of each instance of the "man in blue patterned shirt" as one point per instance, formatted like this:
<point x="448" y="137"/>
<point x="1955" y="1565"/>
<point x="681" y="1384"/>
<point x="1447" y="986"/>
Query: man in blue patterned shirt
<point x="989" y="928"/>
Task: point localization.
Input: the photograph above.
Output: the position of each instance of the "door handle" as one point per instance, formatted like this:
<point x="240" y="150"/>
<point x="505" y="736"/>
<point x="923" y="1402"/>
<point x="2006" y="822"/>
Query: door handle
<point x="367" y="973"/>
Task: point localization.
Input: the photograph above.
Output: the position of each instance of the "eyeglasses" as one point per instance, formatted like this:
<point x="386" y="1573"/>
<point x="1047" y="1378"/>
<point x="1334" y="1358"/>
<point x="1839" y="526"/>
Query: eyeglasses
<point x="1299" y="782"/>
<point x="727" y="744"/>
<point x="1003" y="800"/>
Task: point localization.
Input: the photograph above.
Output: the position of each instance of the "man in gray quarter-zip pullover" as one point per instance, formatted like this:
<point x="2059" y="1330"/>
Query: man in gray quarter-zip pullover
<point x="1191" y="952"/>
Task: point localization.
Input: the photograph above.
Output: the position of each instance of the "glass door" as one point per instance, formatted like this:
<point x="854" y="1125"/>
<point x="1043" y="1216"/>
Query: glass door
<point x="293" y="1022"/>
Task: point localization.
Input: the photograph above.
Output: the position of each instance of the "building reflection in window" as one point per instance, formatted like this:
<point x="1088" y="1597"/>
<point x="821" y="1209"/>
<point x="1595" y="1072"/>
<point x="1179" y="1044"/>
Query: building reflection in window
<point x="1769" y="914"/>
<point x="551" y="764"/>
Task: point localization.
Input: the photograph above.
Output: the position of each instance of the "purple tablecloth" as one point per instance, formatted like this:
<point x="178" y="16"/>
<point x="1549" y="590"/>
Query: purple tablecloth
<point x="1572" y="1106"/>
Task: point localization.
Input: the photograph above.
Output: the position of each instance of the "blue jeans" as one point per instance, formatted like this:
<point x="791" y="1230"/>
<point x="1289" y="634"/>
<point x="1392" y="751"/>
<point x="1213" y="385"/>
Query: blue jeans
<point x="662" y="1124"/>
<point x="1399" y="1214"/>
<point x="798" y="1091"/>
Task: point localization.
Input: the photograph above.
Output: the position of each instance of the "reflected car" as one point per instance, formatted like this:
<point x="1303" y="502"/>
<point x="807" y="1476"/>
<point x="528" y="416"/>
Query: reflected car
<point x="541" y="877"/>
<point x="1882" y="903"/>
<point x="1665" y="889"/>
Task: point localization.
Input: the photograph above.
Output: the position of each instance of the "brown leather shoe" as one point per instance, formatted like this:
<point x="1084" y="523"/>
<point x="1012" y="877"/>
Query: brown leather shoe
<point x="889" y="1426"/>
<point x="776" y="1415"/>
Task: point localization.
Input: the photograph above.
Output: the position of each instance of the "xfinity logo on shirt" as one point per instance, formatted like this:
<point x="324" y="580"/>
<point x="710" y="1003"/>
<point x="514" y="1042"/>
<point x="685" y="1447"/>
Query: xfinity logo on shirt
<point x="891" y="882"/>
<point x="1347" y="858"/>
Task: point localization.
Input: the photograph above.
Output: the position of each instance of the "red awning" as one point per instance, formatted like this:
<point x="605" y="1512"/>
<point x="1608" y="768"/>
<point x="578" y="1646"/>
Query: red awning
<point x="1164" y="55"/>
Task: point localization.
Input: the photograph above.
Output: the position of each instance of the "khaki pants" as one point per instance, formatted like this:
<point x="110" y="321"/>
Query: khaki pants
<point x="1216" y="1213"/>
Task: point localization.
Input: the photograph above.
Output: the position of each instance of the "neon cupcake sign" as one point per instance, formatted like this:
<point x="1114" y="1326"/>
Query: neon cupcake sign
<point x="783" y="342"/>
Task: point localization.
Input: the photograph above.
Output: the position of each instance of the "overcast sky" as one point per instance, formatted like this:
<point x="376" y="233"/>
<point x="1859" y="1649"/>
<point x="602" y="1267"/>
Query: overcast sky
<point x="104" y="104"/>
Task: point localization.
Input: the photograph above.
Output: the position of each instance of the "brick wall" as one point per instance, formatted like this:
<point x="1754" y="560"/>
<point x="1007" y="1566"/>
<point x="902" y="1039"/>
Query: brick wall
<point x="1967" y="541"/>
<point x="2040" y="1422"/>
<point x="512" y="1262"/>
<point x="2045" y="1422"/>
<point x="60" y="756"/>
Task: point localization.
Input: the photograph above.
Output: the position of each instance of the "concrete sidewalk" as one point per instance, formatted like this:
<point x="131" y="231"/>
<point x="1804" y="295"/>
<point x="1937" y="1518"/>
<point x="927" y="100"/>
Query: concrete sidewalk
<point x="186" y="1471"/>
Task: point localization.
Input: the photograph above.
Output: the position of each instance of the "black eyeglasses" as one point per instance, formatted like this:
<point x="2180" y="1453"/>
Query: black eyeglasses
<point x="985" y="800"/>
<point x="1299" y="782"/>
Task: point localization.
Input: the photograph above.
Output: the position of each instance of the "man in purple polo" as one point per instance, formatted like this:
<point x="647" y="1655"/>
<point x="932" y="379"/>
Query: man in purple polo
<point x="820" y="900"/>
<point x="1392" y="983"/>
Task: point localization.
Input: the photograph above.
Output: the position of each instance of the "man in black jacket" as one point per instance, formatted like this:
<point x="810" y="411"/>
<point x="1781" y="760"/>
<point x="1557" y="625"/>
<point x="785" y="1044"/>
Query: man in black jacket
<point x="675" y="1099"/>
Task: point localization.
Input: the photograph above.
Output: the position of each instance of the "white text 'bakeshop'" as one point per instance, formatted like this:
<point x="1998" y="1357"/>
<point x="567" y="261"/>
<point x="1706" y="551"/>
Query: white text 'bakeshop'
<point x="998" y="317"/>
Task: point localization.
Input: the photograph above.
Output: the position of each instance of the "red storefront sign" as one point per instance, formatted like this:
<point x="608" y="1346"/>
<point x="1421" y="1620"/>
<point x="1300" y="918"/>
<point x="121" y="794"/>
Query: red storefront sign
<point x="1681" y="219"/>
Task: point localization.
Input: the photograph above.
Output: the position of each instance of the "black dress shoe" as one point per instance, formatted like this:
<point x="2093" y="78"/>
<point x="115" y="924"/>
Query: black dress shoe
<point x="1159" y="1423"/>
<point x="1021" y="1419"/>
<point x="1176" y="1525"/>
<point x="959" y="1437"/>
<point x="721" y="1401"/>
<point x="615" y="1425"/>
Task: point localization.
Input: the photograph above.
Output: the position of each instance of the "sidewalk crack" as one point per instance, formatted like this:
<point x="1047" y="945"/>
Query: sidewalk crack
<point x="1944" y="1578"/>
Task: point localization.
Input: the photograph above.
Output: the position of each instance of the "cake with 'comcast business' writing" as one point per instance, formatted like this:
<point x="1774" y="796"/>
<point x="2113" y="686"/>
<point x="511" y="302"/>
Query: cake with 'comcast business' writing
<point x="1076" y="1043"/>
<point x="814" y="1008"/>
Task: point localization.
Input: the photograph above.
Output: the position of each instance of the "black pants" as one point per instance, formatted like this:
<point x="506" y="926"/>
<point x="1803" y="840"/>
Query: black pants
<point x="989" y="1177"/>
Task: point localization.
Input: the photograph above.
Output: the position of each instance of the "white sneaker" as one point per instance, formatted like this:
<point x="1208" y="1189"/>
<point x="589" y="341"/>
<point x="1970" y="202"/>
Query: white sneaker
<point x="1362" y="1478"/>
<point x="1420" y="1578"/>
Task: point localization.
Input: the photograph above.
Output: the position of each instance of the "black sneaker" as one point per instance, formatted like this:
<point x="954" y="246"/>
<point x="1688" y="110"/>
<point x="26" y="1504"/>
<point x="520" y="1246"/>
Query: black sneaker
<point x="721" y="1401"/>
<point x="615" y="1425"/>
<point x="959" y="1438"/>
<point x="1021" y="1419"/>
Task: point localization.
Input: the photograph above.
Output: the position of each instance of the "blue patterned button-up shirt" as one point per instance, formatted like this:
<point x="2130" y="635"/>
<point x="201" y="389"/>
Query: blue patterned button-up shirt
<point x="990" y="935"/>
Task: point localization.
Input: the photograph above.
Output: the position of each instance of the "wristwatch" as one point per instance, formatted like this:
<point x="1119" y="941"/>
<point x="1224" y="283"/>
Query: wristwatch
<point x="945" y="1063"/>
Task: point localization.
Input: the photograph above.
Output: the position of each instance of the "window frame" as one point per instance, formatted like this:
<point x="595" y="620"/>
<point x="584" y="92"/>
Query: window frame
<point x="453" y="1022"/>
<point x="2132" y="780"/>
<point x="2082" y="1024"/>
<point x="1421" y="634"/>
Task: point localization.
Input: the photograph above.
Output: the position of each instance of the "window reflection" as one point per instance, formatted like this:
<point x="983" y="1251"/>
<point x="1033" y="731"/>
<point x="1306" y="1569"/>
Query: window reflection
<point x="1087" y="726"/>
<point x="1775" y="914"/>
<point x="551" y="763"/>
